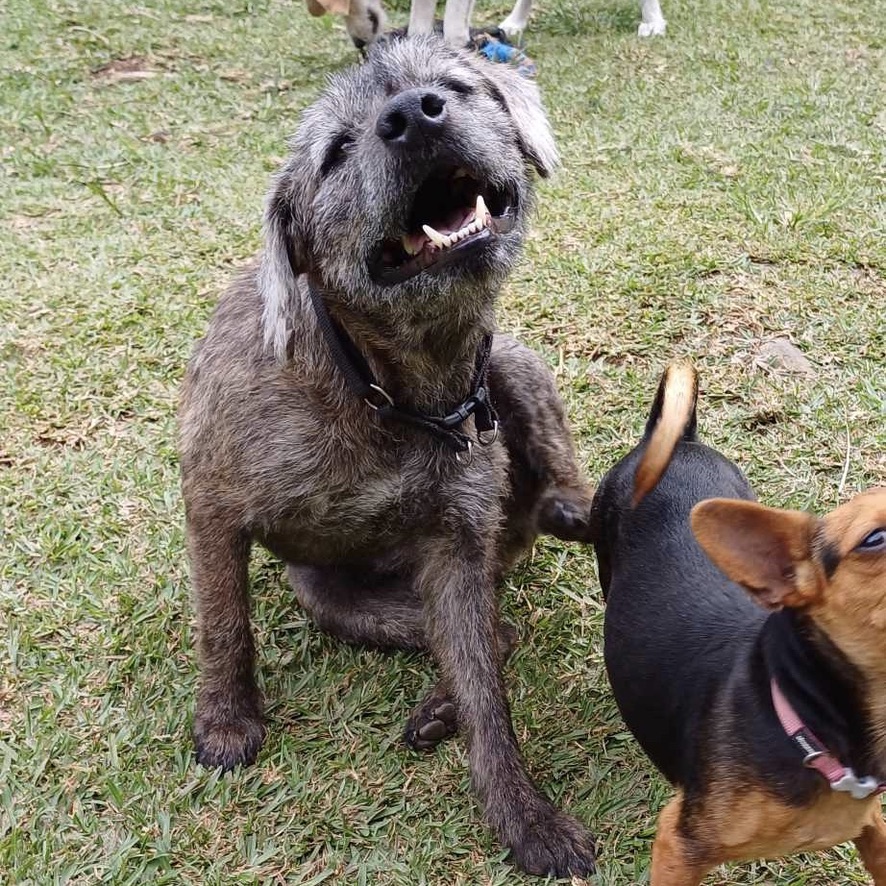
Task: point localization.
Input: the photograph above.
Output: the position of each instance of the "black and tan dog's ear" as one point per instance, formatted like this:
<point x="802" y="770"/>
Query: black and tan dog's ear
<point x="520" y="98"/>
<point x="283" y="259"/>
<point x="767" y="551"/>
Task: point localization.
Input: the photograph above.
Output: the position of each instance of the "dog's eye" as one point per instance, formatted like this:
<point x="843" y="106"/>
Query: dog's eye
<point x="336" y="152"/>
<point x="458" y="86"/>
<point x="874" y="541"/>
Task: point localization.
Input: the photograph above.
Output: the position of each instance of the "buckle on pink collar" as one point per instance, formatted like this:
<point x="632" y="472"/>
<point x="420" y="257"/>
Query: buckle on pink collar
<point x="817" y="756"/>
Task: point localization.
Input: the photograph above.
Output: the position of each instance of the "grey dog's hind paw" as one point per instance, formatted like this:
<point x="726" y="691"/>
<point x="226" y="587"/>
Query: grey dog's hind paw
<point x="433" y="721"/>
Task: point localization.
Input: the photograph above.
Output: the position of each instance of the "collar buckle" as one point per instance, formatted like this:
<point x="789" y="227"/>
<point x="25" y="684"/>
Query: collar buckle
<point x="469" y="454"/>
<point x="359" y="378"/>
<point x="487" y="438"/>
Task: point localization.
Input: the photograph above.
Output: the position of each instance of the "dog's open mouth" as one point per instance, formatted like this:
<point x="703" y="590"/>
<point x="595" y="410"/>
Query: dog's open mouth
<point x="452" y="215"/>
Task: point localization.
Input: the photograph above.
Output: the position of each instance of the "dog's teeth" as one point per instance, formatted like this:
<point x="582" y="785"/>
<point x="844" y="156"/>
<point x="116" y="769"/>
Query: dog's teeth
<point x="444" y="241"/>
<point x="481" y="212"/>
<point x="435" y="237"/>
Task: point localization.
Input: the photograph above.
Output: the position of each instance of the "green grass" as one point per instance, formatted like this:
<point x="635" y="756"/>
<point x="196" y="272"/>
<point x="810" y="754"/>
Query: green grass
<point x="721" y="186"/>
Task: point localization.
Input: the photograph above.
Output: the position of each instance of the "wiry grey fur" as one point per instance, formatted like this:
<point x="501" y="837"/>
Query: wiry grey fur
<point x="389" y="539"/>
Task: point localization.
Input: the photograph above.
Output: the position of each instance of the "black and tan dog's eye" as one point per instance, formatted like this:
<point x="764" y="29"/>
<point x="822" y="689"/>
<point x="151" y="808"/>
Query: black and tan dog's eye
<point x="874" y="541"/>
<point x="336" y="152"/>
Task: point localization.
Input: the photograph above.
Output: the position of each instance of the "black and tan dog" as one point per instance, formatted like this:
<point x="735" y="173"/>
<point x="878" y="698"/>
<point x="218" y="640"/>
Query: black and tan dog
<point x="747" y="651"/>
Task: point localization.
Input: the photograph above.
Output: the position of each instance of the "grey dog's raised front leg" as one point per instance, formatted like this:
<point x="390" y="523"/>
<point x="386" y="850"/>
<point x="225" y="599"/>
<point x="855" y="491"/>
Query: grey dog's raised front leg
<point x="457" y="583"/>
<point x="549" y="491"/>
<point x="228" y="727"/>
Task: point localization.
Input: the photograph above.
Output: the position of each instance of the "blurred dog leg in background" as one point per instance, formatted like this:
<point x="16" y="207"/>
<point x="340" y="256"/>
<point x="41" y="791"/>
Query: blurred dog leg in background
<point x="365" y="20"/>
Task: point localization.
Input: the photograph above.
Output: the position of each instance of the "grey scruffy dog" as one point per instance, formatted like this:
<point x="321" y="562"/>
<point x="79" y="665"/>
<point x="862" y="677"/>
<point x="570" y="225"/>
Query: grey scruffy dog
<point x="381" y="263"/>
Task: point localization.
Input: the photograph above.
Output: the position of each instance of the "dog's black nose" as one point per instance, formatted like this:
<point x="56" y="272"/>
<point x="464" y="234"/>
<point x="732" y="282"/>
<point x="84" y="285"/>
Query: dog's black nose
<point x="410" y="116"/>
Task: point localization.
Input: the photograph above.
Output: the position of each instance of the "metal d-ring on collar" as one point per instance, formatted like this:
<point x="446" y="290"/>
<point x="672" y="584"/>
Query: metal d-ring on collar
<point x="445" y="428"/>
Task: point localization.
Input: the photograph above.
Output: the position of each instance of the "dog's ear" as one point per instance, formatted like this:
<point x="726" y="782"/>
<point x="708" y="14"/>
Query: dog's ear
<point x="336" y="7"/>
<point x="520" y="98"/>
<point x="767" y="551"/>
<point x="283" y="259"/>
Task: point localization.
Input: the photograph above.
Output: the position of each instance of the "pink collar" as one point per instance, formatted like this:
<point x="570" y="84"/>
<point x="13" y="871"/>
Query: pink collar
<point x="817" y="756"/>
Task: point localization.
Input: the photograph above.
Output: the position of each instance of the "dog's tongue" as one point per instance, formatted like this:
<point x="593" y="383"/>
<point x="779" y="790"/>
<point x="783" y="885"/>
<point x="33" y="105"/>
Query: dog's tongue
<point x="457" y="220"/>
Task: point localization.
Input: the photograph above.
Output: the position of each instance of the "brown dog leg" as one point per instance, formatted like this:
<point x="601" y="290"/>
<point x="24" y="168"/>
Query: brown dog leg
<point x="672" y="862"/>
<point x="457" y="583"/>
<point x="871" y="844"/>
<point x="228" y="727"/>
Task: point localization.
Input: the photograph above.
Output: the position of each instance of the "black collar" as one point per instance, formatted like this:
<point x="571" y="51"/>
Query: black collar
<point x="352" y="364"/>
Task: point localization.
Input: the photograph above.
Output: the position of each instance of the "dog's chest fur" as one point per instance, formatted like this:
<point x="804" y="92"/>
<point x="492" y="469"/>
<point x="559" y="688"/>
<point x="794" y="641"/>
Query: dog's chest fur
<point x="383" y="503"/>
<point x="306" y="465"/>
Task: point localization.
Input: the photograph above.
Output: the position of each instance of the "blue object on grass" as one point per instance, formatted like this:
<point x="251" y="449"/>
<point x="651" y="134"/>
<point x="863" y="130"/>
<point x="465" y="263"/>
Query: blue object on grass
<point x="500" y="52"/>
<point x="504" y="53"/>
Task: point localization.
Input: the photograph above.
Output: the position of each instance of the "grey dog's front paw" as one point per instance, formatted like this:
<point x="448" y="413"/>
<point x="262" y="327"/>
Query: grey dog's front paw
<point x="228" y="743"/>
<point x="551" y="843"/>
<point x="433" y="721"/>
<point x="566" y="514"/>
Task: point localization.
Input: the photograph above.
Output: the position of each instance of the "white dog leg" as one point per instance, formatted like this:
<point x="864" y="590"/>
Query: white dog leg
<point x="515" y="24"/>
<point x="456" y="22"/>
<point x="421" y="17"/>
<point x="652" y="22"/>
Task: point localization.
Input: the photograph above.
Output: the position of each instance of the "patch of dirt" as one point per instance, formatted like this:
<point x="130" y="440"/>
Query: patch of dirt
<point x="6" y="697"/>
<point x="235" y="75"/>
<point x="158" y="136"/>
<point x="780" y="355"/>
